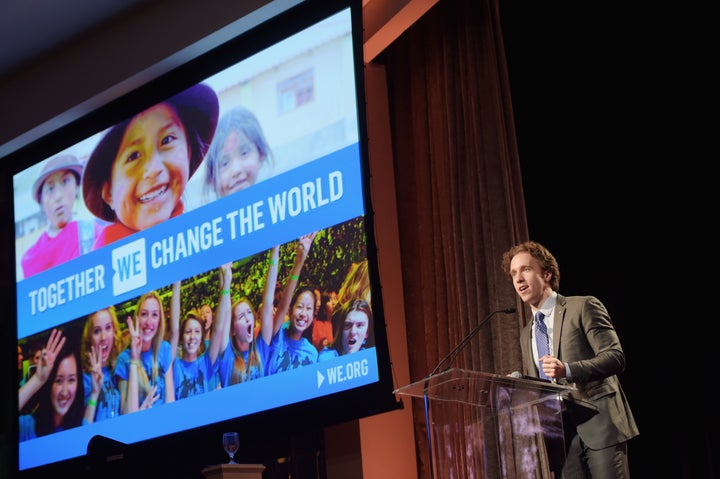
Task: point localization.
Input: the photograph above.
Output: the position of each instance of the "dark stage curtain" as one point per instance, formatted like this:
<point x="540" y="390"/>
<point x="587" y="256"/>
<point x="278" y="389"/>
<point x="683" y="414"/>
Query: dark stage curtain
<point x="459" y="189"/>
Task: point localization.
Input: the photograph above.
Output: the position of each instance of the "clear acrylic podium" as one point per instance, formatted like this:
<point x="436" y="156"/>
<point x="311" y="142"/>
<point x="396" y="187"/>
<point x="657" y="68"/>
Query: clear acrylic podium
<point x="483" y="425"/>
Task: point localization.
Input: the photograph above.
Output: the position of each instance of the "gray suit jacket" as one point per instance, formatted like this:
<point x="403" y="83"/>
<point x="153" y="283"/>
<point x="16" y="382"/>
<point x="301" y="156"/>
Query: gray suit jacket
<point x="585" y="338"/>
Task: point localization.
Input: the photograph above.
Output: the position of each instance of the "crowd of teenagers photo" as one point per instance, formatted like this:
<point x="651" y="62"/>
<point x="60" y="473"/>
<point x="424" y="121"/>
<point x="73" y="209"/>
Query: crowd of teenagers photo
<point x="238" y="322"/>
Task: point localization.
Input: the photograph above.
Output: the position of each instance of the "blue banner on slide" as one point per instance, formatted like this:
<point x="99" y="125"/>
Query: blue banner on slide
<point x="319" y="194"/>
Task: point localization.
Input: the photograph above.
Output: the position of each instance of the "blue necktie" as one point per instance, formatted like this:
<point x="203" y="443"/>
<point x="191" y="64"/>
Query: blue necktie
<point x="541" y="339"/>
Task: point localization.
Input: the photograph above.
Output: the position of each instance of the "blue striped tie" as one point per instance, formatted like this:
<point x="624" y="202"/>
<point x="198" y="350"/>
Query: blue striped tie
<point x="541" y="339"/>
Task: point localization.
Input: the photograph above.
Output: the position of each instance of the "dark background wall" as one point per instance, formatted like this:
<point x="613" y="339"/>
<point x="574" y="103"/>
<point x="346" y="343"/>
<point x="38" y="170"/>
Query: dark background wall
<point x="608" y="176"/>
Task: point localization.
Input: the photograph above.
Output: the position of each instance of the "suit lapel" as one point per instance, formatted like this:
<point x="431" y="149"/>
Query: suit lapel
<point x="526" y="339"/>
<point x="558" y="319"/>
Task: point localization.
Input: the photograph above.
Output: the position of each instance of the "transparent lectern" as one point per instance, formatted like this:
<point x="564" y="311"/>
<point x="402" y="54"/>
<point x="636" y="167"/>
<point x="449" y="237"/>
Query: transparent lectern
<point x="483" y="425"/>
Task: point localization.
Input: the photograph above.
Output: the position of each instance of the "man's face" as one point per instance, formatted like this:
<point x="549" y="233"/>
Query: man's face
<point x="530" y="282"/>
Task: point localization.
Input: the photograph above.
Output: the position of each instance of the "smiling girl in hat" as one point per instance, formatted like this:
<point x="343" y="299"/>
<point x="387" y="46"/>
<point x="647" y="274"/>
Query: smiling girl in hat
<point x="137" y="174"/>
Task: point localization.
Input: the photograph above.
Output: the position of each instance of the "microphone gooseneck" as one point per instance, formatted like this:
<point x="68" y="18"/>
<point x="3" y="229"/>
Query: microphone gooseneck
<point x="448" y="359"/>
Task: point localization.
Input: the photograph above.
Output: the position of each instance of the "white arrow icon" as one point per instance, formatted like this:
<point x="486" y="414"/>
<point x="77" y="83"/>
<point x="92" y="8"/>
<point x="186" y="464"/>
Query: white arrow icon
<point x="320" y="378"/>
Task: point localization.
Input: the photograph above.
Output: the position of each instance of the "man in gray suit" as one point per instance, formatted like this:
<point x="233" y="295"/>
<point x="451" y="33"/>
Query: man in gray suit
<point x="578" y="346"/>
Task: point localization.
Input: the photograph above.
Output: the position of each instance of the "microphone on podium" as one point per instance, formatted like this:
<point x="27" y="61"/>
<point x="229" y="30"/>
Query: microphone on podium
<point x="519" y="375"/>
<point x="449" y="357"/>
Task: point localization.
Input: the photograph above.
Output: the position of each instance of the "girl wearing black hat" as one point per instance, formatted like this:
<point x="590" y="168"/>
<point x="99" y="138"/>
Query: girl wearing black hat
<point x="137" y="174"/>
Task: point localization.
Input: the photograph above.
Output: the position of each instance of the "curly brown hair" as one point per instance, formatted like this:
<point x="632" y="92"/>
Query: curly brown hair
<point x="539" y="252"/>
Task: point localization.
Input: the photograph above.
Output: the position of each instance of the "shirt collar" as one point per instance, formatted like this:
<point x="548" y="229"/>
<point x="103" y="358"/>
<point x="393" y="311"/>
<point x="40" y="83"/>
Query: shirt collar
<point x="548" y="306"/>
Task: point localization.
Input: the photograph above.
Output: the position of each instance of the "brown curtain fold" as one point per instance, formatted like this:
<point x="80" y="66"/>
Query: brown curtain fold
<point x="459" y="190"/>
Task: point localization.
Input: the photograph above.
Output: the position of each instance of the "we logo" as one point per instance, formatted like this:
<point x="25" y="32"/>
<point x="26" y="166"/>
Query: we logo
<point x="129" y="267"/>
